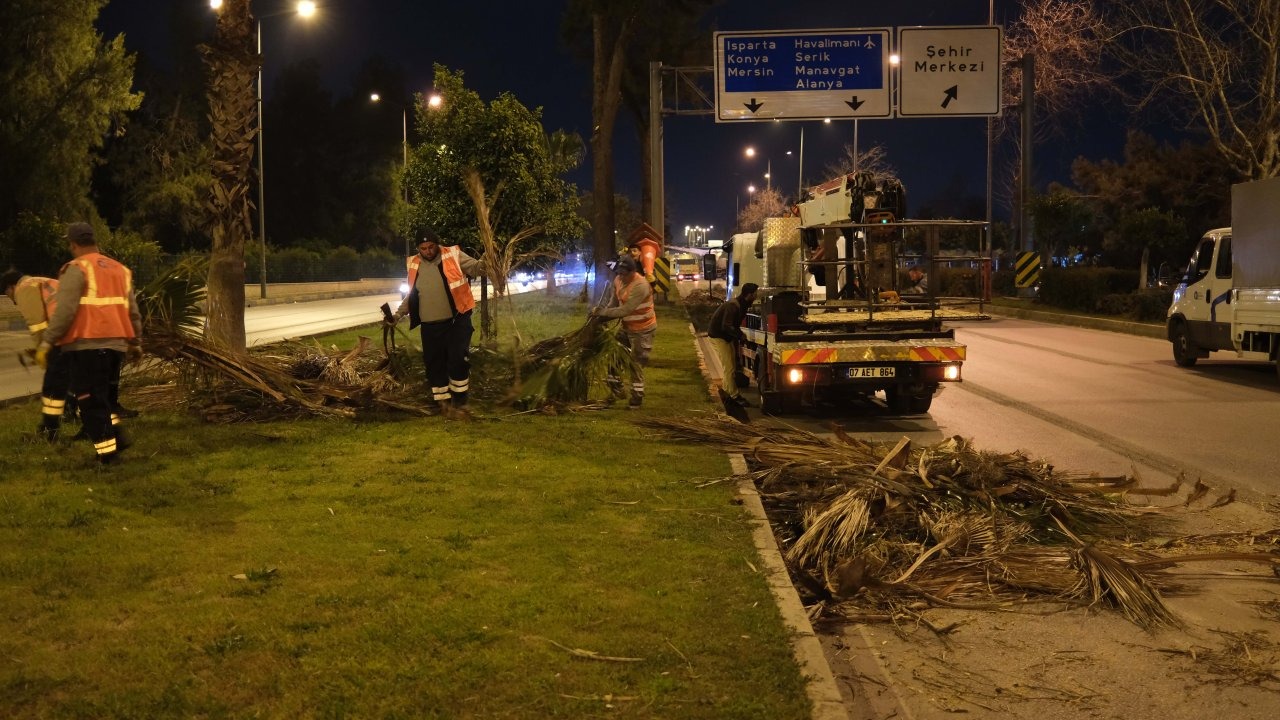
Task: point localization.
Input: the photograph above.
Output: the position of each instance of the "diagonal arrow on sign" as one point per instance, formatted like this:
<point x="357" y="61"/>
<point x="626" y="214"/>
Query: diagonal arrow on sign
<point x="952" y="92"/>
<point x="855" y="103"/>
<point x="753" y="106"/>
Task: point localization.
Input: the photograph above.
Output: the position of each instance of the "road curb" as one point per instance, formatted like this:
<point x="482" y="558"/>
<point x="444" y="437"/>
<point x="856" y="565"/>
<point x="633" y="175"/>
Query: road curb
<point x="806" y="648"/>
<point x="1127" y="327"/>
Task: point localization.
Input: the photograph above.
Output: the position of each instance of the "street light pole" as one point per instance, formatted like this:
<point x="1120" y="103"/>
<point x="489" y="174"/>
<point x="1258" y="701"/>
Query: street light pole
<point x="404" y="177"/>
<point x="262" y="201"/>
<point x="404" y="150"/>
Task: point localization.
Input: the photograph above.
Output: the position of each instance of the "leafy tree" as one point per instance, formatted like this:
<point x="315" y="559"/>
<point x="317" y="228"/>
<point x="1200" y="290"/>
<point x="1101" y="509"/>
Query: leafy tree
<point x="484" y="176"/>
<point x="1215" y="61"/>
<point x="1141" y="235"/>
<point x="157" y="176"/>
<point x="1188" y="181"/>
<point x="1062" y="220"/>
<point x="63" y="87"/>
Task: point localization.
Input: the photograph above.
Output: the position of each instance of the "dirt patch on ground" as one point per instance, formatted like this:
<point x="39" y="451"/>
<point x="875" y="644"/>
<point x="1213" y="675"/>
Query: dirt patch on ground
<point x="1223" y="662"/>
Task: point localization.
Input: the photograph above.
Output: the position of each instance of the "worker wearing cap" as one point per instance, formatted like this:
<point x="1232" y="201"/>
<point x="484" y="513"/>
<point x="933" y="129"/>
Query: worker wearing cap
<point x="35" y="298"/>
<point x="725" y="333"/>
<point x="440" y="300"/>
<point x="96" y="325"/>
<point x="632" y="301"/>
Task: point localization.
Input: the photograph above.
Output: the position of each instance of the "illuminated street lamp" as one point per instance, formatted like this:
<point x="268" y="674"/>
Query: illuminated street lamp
<point x="306" y="9"/>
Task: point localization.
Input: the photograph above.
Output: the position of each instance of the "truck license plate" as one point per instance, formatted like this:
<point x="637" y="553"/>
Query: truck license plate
<point x="870" y="372"/>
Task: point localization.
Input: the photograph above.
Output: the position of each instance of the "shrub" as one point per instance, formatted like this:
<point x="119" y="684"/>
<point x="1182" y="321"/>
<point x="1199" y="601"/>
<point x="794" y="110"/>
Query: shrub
<point x="1082" y="289"/>
<point x="1003" y="283"/>
<point x="293" y="265"/>
<point x="144" y="257"/>
<point x="34" y="245"/>
<point x="341" y="263"/>
<point x="380" y="263"/>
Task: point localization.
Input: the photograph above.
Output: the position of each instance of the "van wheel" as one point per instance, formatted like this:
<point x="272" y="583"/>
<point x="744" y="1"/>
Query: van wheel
<point x="1185" y="352"/>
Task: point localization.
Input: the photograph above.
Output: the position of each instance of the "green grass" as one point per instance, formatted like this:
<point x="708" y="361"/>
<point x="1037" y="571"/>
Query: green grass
<point x="390" y="567"/>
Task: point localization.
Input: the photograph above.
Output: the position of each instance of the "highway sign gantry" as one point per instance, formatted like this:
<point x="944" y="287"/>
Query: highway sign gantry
<point x="949" y="71"/>
<point x="802" y="74"/>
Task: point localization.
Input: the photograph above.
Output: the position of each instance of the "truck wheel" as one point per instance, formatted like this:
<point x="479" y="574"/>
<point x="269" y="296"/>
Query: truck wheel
<point x="903" y="402"/>
<point x="771" y="403"/>
<point x="920" y="405"/>
<point x="1185" y="352"/>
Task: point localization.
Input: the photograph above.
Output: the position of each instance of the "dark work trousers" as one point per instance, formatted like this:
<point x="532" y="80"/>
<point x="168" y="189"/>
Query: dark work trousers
<point x="446" y="348"/>
<point x="92" y="372"/>
<point x="53" y="390"/>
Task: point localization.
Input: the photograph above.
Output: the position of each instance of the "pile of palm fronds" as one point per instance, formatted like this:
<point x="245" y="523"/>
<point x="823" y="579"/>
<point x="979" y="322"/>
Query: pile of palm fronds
<point x="892" y="528"/>
<point x="285" y="381"/>
<point x="290" y="380"/>
<point x="560" y="372"/>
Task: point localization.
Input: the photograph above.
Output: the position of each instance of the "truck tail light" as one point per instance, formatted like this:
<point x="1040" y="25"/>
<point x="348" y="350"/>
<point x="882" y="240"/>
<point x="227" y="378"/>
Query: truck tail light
<point x="951" y="372"/>
<point x="795" y="375"/>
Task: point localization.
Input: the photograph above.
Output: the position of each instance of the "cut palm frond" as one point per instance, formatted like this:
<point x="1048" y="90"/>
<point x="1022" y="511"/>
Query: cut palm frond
<point x="561" y="371"/>
<point x="889" y="525"/>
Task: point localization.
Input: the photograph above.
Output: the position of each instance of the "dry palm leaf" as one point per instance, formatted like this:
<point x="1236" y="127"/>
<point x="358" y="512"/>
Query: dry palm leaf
<point x="891" y="524"/>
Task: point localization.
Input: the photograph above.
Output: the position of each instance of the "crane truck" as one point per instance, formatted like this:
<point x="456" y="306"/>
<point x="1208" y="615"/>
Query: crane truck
<point x="833" y="323"/>
<point x="1229" y="296"/>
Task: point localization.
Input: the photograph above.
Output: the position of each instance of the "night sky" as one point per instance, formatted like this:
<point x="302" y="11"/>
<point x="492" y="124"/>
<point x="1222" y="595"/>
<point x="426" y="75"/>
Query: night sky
<point x="513" y="45"/>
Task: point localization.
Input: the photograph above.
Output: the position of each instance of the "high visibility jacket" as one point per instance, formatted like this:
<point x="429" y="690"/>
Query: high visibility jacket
<point x="35" y="298"/>
<point x="104" y="306"/>
<point x="643" y="317"/>
<point x="459" y="284"/>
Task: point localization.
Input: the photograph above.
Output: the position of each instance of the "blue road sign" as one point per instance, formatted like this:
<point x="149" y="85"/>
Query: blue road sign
<point x="802" y="74"/>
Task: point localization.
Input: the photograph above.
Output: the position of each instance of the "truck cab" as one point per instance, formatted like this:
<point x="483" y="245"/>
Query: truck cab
<point x="1199" y="318"/>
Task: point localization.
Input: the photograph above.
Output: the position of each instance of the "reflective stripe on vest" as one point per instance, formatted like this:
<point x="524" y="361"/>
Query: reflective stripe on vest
<point x="48" y="289"/>
<point x="459" y="284"/>
<point x="104" y="306"/>
<point x="643" y="317"/>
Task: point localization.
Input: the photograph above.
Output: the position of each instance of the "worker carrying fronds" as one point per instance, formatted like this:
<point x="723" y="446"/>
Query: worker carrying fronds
<point x="97" y="326"/>
<point x="440" y="300"/>
<point x="725" y="333"/>
<point x="34" y="297"/>
<point x="632" y="301"/>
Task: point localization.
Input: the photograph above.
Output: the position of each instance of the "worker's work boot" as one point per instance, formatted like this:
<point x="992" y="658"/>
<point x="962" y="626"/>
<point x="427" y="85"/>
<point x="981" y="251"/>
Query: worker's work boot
<point x="634" y="402"/>
<point x="48" y="429"/>
<point x="434" y="408"/>
<point x="460" y="413"/>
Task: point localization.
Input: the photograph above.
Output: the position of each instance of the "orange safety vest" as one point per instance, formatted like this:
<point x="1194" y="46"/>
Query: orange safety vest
<point x="104" y="306"/>
<point x="48" y="289"/>
<point x="459" y="284"/>
<point x="643" y="317"/>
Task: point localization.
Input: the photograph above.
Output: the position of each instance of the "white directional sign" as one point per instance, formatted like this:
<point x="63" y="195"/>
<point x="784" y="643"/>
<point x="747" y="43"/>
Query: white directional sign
<point x="949" y="71"/>
<point x="802" y="74"/>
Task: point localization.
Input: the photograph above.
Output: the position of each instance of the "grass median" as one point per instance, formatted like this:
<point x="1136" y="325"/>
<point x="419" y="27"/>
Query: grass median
<point x="521" y="566"/>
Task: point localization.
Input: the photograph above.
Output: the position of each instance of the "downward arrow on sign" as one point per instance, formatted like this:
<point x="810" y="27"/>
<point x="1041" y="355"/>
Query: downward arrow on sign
<point x="855" y="103"/>
<point x="753" y="106"/>
<point x="952" y="93"/>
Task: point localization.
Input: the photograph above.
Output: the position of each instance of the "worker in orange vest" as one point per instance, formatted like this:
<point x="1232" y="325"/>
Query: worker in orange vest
<point x="632" y="301"/>
<point x="34" y="297"/>
<point x="97" y="326"/>
<point x="440" y="300"/>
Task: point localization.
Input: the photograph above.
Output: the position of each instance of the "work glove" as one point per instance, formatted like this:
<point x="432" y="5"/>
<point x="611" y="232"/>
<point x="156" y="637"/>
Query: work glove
<point x="42" y="357"/>
<point x="133" y="353"/>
